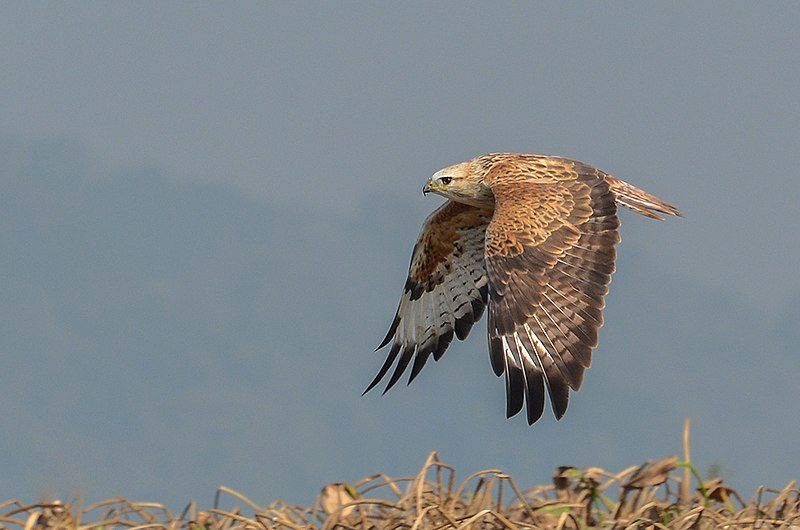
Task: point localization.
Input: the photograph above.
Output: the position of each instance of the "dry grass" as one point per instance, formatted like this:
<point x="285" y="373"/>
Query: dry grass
<point x="655" y="495"/>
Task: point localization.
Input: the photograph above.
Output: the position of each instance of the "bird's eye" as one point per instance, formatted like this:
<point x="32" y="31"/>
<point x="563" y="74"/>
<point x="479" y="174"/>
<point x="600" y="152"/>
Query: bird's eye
<point x="447" y="180"/>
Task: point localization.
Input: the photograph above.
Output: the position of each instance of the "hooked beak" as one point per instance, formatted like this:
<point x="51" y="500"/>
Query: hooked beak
<point x="430" y="187"/>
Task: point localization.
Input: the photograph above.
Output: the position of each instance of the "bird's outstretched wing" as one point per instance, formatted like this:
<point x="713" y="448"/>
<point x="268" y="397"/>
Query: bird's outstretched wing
<point x="549" y="257"/>
<point x="445" y="292"/>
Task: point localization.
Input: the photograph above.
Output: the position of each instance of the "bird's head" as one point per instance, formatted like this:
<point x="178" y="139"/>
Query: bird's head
<point x="461" y="183"/>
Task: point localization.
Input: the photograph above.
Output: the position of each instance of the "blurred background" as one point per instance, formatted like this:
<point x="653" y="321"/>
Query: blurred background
<point x="207" y="213"/>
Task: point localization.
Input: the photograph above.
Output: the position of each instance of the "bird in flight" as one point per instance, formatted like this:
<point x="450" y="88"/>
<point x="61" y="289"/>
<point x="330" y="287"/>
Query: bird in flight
<point x="533" y="237"/>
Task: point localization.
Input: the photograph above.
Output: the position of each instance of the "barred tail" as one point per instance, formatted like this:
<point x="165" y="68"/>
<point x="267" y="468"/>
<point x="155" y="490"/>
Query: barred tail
<point x="639" y="200"/>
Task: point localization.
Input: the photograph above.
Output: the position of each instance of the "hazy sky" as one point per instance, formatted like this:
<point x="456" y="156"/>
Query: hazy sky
<point x="207" y="213"/>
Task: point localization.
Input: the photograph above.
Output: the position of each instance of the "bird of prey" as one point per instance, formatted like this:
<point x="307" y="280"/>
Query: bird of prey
<point x="533" y="237"/>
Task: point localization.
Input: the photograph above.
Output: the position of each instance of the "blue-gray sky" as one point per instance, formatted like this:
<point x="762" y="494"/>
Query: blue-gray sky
<point x="207" y="212"/>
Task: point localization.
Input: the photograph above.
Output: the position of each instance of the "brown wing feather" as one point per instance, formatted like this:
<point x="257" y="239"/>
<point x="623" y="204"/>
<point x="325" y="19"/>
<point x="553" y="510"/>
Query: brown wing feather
<point x="549" y="257"/>
<point x="445" y="292"/>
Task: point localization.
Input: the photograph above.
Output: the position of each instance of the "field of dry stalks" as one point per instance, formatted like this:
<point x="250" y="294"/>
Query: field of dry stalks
<point x="653" y="495"/>
<point x="668" y="493"/>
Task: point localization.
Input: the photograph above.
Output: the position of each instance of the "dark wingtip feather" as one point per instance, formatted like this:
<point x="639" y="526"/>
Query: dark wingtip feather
<point x="477" y="309"/>
<point x="559" y="396"/>
<point x="385" y="368"/>
<point x="514" y="391"/>
<point x="442" y="344"/>
<point x="419" y="361"/>
<point x="496" y="355"/>
<point x="402" y="364"/>
<point x="534" y="394"/>
<point x="463" y="325"/>
<point x="576" y="379"/>
<point x="484" y="292"/>
<point x="390" y="333"/>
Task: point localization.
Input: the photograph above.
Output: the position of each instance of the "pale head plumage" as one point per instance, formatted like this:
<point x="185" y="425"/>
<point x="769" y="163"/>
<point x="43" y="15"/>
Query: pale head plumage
<point x="462" y="183"/>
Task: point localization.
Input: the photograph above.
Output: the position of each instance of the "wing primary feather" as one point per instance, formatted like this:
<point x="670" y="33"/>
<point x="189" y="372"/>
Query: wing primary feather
<point x="425" y="345"/>
<point x="534" y="384"/>
<point x="446" y="315"/>
<point x="514" y="390"/>
<point x="442" y="344"/>
<point x="385" y="368"/>
<point x="419" y="362"/>
<point x="534" y="394"/>
<point x="496" y="354"/>
<point x="559" y="395"/>
<point x="484" y="292"/>
<point x="477" y="309"/>
<point x="463" y="325"/>
<point x="556" y="353"/>
<point x="569" y="365"/>
<point x="557" y="388"/>
<point x="402" y="364"/>
<point x="515" y="382"/>
<point x="392" y="330"/>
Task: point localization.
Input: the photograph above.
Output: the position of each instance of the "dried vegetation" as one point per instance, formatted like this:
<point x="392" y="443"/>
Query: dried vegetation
<point x="667" y="493"/>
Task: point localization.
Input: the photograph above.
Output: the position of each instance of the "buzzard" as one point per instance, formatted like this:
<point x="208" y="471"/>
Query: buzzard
<point x="533" y="237"/>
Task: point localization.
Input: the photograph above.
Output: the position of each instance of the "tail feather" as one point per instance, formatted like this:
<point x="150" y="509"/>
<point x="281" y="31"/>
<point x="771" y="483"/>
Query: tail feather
<point x="639" y="200"/>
